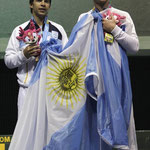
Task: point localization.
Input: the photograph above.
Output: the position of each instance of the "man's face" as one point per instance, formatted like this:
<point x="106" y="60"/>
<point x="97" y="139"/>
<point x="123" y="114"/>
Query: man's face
<point x="100" y="2"/>
<point x="40" y="7"/>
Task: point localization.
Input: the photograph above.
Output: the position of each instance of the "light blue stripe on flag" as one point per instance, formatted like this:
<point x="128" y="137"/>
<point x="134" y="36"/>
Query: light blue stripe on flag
<point x="47" y="47"/>
<point x="112" y="123"/>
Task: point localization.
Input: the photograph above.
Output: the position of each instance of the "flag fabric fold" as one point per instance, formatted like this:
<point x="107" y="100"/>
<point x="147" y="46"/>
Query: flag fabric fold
<point x="114" y="105"/>
<point x="79" y="97"/>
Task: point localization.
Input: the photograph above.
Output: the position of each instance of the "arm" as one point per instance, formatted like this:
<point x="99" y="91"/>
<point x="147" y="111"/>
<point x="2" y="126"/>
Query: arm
<point x="129" y="42"/>
<point x="16" y="56"/>
<point x="127" y="39"/>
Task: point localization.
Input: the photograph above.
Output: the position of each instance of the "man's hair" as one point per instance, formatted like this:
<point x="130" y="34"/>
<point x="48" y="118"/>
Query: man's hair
<point x="31" y="2"/>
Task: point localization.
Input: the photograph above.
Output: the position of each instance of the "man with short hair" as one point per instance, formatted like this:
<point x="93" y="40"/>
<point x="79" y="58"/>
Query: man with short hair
<point x="119" y="30"/>
<point x="128" y="39"/>
<point x="23" y="56"/>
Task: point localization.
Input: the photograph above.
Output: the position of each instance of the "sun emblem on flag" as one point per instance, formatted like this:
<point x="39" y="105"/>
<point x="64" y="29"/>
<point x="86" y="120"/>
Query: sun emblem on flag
<point x="65" y="80"/>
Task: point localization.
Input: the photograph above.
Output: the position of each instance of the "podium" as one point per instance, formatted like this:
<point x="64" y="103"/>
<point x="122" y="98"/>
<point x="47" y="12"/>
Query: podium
<point x="5" y="141"/>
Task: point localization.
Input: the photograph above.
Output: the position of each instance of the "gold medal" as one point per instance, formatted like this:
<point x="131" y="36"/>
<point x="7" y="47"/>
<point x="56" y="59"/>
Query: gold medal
<point x="108" y="38"/>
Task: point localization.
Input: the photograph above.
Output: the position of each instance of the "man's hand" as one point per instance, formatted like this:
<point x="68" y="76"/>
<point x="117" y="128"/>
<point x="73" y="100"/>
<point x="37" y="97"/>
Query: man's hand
<point x="32" y="50"/>
<point x="109" y="24"/>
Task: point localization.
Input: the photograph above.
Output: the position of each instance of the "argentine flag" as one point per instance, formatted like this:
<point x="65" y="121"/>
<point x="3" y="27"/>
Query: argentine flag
<point x="79" y="97"/>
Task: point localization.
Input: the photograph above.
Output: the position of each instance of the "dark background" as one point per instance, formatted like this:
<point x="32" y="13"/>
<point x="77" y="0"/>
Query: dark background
<point x="66" y="12"/>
